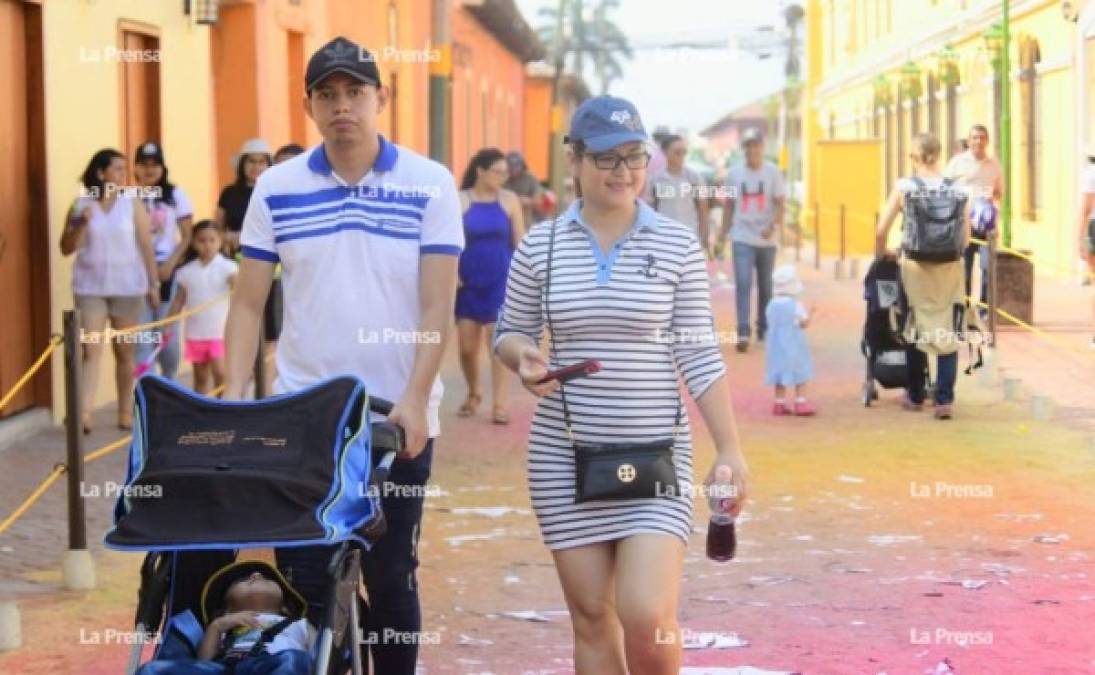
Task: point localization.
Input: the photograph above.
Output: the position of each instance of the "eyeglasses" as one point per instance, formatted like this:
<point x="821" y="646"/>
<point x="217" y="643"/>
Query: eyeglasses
<point x="608" y="161"/>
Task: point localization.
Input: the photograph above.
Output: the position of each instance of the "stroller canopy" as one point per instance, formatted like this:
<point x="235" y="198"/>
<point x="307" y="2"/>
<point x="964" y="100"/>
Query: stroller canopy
<point x="210" y="474"/>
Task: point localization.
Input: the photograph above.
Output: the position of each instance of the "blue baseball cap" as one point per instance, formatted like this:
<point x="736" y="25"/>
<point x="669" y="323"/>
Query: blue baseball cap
<point x="603" y="122"/>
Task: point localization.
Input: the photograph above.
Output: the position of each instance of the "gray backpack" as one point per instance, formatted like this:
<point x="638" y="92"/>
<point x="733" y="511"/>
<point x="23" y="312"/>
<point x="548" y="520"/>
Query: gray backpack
<point x="935" y="222"/>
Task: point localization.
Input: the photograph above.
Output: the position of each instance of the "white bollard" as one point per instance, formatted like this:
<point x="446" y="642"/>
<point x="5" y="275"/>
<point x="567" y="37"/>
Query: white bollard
<point x="1041" y="407"/>
<point x="11" y="633"/>
<point x="986" y="374"/>
<point x="853" y="268"/>
<point x="78" y="570"/>
<point x="1012" y="388"/>
<point x="838" y="269"/>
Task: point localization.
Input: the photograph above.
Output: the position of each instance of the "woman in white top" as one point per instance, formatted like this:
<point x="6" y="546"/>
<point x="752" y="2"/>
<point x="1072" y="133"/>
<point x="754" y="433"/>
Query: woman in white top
<point x="115" y="269"/>
<point x="628" y="288"/>
<point x="170" y="219"/>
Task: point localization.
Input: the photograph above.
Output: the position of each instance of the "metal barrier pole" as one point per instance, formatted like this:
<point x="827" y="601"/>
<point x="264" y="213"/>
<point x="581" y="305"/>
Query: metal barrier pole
<point x="260" y="363"/>
<point x="992" y="290"/>
<point x="843" y="231"/>
<point x="817" y="237"/>
<point x="77" y="534"/>
<point x="798" y="240"/>
<point x="78" y="570"/>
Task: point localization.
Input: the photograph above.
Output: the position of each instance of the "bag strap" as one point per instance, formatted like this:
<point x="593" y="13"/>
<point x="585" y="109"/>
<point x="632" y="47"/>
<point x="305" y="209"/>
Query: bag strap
<point x="264" y="639"/>
<point x="555" y="351"/>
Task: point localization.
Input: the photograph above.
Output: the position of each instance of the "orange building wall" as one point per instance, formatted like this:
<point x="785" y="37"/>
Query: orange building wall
<point x="537" y="118"/>
<point x="482" y="65"/>
<point x="234" y="63"/>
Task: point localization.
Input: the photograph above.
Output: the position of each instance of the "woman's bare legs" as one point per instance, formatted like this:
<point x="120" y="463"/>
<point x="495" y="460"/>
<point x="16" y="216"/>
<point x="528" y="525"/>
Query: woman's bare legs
<point x="587" y="576"/>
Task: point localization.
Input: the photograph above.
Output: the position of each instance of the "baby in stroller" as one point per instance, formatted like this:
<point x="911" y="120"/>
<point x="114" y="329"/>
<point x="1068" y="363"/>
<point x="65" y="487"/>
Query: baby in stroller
<point x="298" y="469"/>
<point x="254" y="625"/>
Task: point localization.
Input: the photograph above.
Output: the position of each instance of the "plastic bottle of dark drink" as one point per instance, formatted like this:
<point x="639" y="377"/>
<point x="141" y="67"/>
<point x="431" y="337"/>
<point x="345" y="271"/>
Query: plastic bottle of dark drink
<point x="721" y="540"/>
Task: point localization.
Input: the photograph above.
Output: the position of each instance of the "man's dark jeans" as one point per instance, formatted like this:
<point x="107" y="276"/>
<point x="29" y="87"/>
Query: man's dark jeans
<point x="394" y="622"/>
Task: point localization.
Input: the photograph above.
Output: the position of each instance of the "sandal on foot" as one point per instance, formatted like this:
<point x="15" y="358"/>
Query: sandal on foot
<point x="469" y="406"/>
<point x="500" y="416"/>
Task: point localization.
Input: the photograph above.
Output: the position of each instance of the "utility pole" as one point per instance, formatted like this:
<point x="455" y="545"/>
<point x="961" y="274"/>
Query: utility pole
<point x="440" y="100"/>
<point x="555" y="154"/>
<point x="1005" y="121"/>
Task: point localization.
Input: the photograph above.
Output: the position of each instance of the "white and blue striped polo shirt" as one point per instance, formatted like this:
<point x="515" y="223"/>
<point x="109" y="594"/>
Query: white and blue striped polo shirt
<point x="350" y="264"/>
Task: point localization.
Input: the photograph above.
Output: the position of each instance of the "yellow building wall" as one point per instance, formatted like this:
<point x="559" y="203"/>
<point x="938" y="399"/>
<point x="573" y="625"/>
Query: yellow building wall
<point x="844" y="46"/>
<point x="83" y="115"/>
<point x="847" y="205"/>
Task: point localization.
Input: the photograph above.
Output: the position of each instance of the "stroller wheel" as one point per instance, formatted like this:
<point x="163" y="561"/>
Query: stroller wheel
<point x="869" y="394"/>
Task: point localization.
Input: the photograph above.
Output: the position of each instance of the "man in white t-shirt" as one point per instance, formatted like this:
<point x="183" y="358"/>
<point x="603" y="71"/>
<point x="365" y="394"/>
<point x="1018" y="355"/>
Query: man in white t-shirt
<point x="1086" y="221"/>
<point x="368" y="235"/>
<point x="982" y="178"/>
<point x="753" y="212"/>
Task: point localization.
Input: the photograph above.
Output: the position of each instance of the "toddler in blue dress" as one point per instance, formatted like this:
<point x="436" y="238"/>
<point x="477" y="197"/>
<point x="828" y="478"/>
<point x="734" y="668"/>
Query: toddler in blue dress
<point x="786" y="355"/>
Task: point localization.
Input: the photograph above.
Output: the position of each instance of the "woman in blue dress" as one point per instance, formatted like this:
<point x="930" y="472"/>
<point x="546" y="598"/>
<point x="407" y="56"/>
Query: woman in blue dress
<point x="493" y="225"/>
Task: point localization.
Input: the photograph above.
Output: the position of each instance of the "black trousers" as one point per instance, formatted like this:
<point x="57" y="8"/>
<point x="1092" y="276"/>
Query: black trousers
<point x="393" y="626"/>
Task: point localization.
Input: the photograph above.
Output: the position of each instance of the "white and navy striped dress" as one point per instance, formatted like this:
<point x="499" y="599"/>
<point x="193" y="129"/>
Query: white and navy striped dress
<point x="644" y="311"/>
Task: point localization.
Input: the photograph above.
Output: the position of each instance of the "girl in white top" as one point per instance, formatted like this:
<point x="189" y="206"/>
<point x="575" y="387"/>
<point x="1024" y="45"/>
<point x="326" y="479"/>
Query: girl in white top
<point x="205" y="280"/>
<point x="108" y="230"/>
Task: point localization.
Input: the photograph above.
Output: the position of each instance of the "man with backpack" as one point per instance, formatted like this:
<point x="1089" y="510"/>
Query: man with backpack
<point x="934" y="236"/>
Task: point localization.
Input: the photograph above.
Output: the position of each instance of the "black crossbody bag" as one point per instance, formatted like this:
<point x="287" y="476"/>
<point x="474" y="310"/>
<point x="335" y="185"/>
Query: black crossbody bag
<point x="606" y="471"/>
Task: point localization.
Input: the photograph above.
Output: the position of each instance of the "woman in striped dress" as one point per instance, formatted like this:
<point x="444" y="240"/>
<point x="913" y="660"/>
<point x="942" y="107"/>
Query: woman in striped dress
<point x="629" y="289"/>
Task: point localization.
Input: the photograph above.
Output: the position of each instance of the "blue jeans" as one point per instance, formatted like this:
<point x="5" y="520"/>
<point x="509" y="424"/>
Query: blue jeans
<point x="947" y="373"/>
<point x="287" y="662"/>
<point x="746" y="258"/>
<point x="168" y="358"/>
<point x="389" y="571"/>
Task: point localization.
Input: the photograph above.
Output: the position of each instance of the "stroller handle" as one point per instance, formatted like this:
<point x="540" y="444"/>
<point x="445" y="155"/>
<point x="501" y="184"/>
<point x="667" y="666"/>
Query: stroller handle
<point x="380" y="406"/>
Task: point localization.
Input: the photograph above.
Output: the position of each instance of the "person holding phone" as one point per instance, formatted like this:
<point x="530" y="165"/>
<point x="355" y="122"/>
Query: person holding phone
<point x="617" y="283"/>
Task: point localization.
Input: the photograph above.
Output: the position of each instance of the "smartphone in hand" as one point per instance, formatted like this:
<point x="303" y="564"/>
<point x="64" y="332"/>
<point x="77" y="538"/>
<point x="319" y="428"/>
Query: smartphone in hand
<point x="572" y="372"/>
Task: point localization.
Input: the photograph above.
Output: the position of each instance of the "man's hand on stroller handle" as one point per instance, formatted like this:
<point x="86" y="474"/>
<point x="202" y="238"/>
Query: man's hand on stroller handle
<point x="410" y="414"/>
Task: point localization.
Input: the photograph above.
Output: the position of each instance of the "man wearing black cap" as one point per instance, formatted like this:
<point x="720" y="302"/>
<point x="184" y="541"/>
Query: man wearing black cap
<point x="368" y="235"/>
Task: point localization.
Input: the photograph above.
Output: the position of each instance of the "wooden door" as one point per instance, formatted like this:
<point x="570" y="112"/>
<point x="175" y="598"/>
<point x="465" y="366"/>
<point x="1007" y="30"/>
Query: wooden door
<point x="24" y="256"/>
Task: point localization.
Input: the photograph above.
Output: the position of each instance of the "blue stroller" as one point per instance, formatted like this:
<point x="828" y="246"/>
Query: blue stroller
<point x="208" y="477"/>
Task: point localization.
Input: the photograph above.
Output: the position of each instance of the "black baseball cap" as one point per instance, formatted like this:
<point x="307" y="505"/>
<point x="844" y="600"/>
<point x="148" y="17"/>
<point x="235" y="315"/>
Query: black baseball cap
<point x="341" y="55"/>
<point x="150" y="150"/>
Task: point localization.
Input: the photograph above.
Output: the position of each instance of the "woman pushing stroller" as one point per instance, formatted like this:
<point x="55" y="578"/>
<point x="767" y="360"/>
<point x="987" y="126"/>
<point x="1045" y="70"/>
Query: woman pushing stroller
<point x="935" y="234"/>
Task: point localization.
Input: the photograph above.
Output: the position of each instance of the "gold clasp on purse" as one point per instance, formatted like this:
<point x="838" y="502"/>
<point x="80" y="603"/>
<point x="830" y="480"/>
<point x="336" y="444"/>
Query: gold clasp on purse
<point x="626" y="473"/>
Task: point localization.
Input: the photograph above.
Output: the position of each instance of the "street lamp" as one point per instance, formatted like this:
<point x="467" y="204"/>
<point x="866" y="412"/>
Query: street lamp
<point x="204" y="11"/>
<point x="910" y="80"/>
<point x="947" y="59"/>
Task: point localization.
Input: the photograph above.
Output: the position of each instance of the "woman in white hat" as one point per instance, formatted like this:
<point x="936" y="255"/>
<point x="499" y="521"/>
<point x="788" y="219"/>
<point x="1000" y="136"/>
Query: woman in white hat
<point x="787" y="359"/>
<point x="254" y="157"/>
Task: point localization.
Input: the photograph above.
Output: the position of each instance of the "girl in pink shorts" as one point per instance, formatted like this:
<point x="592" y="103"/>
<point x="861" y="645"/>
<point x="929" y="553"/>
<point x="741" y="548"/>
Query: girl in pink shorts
<point x="205" y="282"/>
